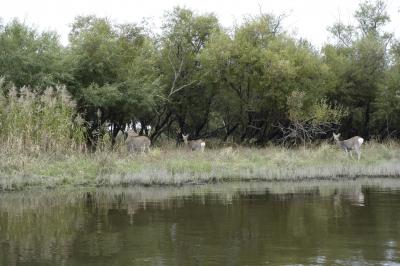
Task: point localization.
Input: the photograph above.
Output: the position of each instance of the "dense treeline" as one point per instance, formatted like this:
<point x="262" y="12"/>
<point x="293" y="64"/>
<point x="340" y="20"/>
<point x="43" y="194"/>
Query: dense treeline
<point x="252" y="83"/>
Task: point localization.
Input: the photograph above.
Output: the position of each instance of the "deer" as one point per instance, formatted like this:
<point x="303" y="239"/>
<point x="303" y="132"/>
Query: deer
<point x="134" y="142"/>
<point x="119" y="140"/>
<point x="194" y="145"/>
<point x="348" y="145"/>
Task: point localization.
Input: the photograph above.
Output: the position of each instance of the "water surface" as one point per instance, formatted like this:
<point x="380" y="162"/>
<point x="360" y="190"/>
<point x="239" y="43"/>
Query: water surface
<point x="319" y="222"/>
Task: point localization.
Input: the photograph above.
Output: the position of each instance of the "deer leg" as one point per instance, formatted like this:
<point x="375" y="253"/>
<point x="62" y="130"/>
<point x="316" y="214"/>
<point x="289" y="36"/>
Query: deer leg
<point x="358" y="154"/>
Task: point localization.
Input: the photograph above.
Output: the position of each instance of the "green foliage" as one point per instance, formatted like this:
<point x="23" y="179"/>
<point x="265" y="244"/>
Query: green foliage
<point x="309" y="118"/>
<point x="30" y="58"/>
<point x="253" y="72"/>
<point x="359" y="64"/>
<point x="196" y="77"/>
<point x="114" y="66"/>
<point x="372" y="17"/>
<point x="387" y="105"/>
<point x="185" y="92"/>
<point x="316" y="111"/>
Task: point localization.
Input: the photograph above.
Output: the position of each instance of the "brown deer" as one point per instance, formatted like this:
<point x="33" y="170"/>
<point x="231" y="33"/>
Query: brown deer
<point x="134" y="142"/>
<point x="348" y="145"/>
<point x="194" y="145"/>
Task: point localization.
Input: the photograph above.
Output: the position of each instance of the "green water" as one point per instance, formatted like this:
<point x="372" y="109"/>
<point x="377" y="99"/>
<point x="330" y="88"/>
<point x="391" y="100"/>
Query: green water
<point x="317" y="223"/>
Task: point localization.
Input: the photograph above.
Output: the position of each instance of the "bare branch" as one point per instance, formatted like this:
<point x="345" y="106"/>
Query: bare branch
<point x="303" y="131"/>
<point x="181" y="87"/>
<point x="177" y="74"/>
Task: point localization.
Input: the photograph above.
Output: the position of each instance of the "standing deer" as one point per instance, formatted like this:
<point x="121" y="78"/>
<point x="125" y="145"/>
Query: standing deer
<point x="134" y="142"/>
<point x="194" y="145"/>
<point x="348" y="145"/>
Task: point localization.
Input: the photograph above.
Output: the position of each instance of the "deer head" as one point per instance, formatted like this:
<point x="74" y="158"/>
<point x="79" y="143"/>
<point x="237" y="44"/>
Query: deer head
<point x="336" y="136"/>
<point x="185" y="137"/>
<point x="132" y="133"/>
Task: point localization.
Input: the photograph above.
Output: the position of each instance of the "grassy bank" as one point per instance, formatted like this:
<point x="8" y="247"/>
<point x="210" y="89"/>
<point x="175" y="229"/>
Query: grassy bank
<point x="164" y="166"/>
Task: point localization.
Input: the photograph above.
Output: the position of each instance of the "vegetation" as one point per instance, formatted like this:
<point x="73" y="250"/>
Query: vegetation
<point x="235" y="84"/>
<point x="178" y="166"/>
<point x="33" y="123"/>
<point x="61" y="108"/>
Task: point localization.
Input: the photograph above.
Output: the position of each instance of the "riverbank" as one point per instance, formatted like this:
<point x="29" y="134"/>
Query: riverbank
<point x="179" y="166"/>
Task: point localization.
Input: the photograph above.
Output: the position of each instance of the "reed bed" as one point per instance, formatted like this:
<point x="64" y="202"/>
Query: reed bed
<point x="33" y="122"/>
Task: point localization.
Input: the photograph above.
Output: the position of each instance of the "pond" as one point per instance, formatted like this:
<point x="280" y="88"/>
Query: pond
<point x="254" y="223"/>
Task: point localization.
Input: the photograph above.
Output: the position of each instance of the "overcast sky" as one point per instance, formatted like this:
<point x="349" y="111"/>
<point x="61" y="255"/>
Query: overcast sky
<point x="305" y="18"/>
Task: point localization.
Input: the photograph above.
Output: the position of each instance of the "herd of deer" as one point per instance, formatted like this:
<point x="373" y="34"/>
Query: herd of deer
<point x="134" y="142"/>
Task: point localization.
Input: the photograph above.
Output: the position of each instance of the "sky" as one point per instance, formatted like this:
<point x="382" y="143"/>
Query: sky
<point x="308" y="19"/>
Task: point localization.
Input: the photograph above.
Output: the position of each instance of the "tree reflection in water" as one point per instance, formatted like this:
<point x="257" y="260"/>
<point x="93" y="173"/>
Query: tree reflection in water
<point x="247" y="223"/>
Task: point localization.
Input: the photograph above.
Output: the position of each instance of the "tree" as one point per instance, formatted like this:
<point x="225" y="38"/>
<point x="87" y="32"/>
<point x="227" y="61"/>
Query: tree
<point x="254" y="71"/>
<point x="187" y="99"/>
<point x="114" y="66"/>
<point x="29" y="57"/>
<point x="358" y="62"/>
<point x="386" y="117"/>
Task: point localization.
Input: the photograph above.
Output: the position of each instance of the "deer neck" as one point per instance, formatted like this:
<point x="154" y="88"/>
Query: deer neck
<point x="339" y="142"/>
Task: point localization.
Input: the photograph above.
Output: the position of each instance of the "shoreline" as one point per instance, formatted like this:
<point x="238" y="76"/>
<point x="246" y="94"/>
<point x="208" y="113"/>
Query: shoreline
<point x="178" y="167"/>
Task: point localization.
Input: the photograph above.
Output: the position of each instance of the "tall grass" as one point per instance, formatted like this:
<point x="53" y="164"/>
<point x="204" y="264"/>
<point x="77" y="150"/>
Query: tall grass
<point x="168" y="166"/>
<point x="33" y="122"/>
